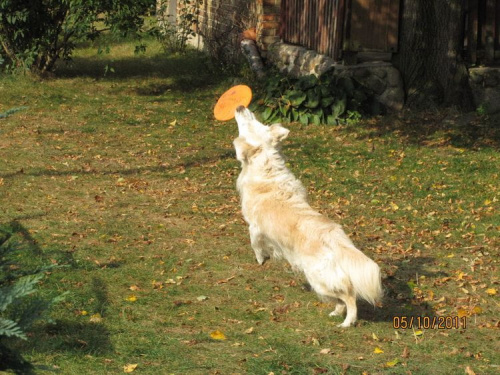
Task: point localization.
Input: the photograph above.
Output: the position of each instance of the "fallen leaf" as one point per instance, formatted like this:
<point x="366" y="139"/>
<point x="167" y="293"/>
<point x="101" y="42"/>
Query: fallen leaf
<point x="469" y="371"/>
<point x="202" y="298"/>
<point x="223" y="281"/>
<point x="477" y="310"/>
<point x="406" y="352"/>
<point x="249" y="330"/>
<point x="491" y="291"/>
<point x="418" y="333"/>
<point x="131" y="298"/>
<point x="394" y="206"/>
<point x="325" y="351"/>
<point x="375" y="337"/>
<point x="392" y="363"/>
<point x="134" y="288"/>
<point x="218" y="335"/>
<point x="96" y="318"/>
<point x="378" y="350"/>
<point x="130" y="367"/>
<point x="461" y="313"/>
<point x="173" y="123"/>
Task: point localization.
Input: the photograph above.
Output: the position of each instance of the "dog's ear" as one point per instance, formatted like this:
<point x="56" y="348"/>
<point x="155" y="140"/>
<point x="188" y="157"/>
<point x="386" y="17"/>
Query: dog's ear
<point x="278" y="133"/>
<point x="244" y="150"/>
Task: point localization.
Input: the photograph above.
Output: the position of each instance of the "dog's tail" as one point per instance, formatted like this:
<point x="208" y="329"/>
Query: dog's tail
<point x="366" y="281"/>
<point x="363" y="272"/>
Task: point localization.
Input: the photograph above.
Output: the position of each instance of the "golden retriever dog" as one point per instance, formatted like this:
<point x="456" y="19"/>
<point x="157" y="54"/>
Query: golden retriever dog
<point x="283" y="225"/>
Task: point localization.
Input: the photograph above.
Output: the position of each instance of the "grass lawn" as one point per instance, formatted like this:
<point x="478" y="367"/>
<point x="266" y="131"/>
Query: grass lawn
<point x="127" y="181"/>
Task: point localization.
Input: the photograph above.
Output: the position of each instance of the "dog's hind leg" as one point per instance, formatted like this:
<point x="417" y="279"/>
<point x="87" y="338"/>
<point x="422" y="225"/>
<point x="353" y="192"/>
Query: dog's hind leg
<point x="258" y="242"/>
<point x="352" y="310"/>
<point x="339" y="308"/>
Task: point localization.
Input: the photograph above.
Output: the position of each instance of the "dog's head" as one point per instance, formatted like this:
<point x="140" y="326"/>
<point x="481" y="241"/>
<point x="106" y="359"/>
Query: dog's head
<point x="256" y="138"/>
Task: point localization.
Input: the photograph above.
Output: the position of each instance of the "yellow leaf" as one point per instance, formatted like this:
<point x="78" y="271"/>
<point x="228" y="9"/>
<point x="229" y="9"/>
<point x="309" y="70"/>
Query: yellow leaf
<point x="131" y="298"/>
<point x="173" y="123"/>
<point x="83" y="312"/>
<point x="450" y="256"/>
<point x="477" y="310"/>
<point x="394" y="206"/>
<point x="134" y="288"/>
<point x="418" y="333"/>
<point x="461" y="313"/>
<point x="491" y="291"/>
<point x="378" y="350"/>
<point x="96" y="318"/>
<point x="374" y="336"/>
<point x="249" y="330"/>
<point x="130" y="367"/>
<point x="218" y="335"/>
<point x="392" y="363"/>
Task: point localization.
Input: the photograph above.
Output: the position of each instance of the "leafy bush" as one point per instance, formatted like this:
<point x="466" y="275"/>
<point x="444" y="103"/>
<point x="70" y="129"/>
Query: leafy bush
<point x="310" y="99"/>
<point x="19" y="306"/>
<point x="35" y="34"/>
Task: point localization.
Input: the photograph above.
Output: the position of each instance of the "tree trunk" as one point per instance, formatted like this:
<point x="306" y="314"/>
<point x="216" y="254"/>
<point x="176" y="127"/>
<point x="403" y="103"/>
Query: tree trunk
<point x="430" y="61"/>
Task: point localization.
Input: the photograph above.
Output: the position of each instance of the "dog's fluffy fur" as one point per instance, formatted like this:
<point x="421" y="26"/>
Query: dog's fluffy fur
<point x="283" y="225"/>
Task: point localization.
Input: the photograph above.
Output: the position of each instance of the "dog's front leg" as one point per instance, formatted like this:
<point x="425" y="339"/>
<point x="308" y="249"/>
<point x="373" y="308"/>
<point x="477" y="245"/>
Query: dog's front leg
<point x="257" y="239"/>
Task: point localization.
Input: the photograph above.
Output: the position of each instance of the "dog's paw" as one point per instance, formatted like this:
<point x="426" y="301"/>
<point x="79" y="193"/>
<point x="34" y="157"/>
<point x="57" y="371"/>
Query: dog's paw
<point x="262" y="260"/>
<point x="344" y="325"/>
<point x="339" y="310"/>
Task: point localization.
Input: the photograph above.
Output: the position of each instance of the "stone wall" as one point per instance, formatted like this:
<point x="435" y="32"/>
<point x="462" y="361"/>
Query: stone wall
<point x="383" y="79"/>
<point x="485" y="85"/>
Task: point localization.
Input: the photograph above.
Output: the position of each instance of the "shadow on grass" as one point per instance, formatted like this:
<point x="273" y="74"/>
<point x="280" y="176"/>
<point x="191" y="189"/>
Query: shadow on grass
<point x="438" y="128"/>
<point x="170" y="171"/>
<point x="27" y="257"/>
<point x="80" y="338"/>
<point x="399" y="300"/>
<point x="185" y="73"/>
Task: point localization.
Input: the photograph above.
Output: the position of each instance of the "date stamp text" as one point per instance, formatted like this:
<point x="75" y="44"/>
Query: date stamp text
<point x="429" y="322"/>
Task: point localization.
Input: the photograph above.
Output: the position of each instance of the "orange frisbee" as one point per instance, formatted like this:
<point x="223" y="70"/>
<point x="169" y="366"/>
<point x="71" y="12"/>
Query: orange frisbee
<point x="230" y="100"/>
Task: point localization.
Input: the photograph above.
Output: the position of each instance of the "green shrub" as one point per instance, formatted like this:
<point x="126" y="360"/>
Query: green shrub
<point x="310" y="99"/>
<point x="35" y="34"/>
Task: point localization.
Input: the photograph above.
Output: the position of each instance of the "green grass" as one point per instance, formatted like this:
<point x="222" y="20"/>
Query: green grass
<point x="128" y="181"/>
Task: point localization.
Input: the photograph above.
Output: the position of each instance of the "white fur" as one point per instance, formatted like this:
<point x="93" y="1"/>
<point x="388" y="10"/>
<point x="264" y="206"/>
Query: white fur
<point x="283" y="225"/>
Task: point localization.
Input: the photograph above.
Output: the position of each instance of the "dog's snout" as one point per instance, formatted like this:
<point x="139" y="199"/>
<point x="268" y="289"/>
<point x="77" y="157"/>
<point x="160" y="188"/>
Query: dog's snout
<point x="240" y="109"/>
